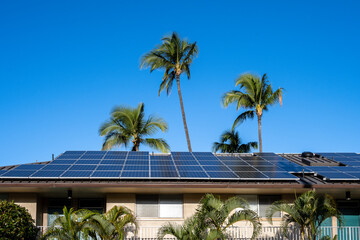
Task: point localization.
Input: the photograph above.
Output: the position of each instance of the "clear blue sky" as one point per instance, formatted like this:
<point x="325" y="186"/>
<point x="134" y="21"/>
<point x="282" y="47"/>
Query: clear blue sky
<point x="65" y="64"/>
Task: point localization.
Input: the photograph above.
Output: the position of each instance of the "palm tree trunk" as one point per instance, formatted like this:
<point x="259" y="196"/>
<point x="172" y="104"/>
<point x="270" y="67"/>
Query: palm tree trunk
<point x="183" y="113"/>
<point x="259" y="126"/>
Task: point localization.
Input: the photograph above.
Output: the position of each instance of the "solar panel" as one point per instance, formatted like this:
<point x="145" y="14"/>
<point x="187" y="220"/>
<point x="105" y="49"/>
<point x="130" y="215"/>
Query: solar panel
<point x="106" y="174"/>
<point x="186" y="162"/>
<point x="161" y="162"/>
<point x="193" y="174"/>
<point x="112" y="162"/>
<point x="135" y="174"/>
<point x="337" y="176"/>
<point x="163" y="168"/>
<point x="228" y="158"/>
<point x="63" y="162"/>
<point x="195" y="168"/>
<point x="221" y="175"/>
<point x="236" y="163"/>
<point x="166" y="158"/>
<point x="2" y="172"/>
<point x="82" y="167"/>
<point x="55" y="167"/>
<point x="30" y="167"/>
<point x="255" y="175"/>
<point x="269" y="169"/>
<point x="136" y="168"/>
<point x="242" y="168"/>
<point x="210" y="163"/>
<point x="216" y="168"/>
<point x="47" y="174"/>
<point x="18" y="173"/>
<point x="137" y="162"/>
<point x="164" y="174"/>
<point x="76" y="174"/>
<point x="87" y="162"/>
<point x="109" y="167"/>
<point x="280" y="176"/>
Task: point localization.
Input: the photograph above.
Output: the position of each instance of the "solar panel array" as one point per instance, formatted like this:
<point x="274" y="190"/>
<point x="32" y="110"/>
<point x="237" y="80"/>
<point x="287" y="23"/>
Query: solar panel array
<point x="142" y="165"/>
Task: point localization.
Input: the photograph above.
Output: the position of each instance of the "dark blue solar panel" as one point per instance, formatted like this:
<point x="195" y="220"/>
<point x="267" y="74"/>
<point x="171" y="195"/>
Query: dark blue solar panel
<point x="280" y="175"/>
<point x="346" y="169"/>
<point x="352" y="163"/>
<point x="109" y="167"/>
<point x="164" y="174"/>
<point x="82" y="167"/>
<point x="166" y="157"/>
<point x="133" y="153"/>
<point x="19" y="173"/>
<point x="47" y="174"/>
<point x="227" y="158"/>
<point x="186" y="162"/>
<point x="292" y="168"/>
<point x="210" y="163"/>
<point x="221" y="174"/>
<point x="138" y="158"/>
<point x="63" y="162"/>
<point x="137" y="162"/>
<point x="135" y="174"/>
<point x="236" y="163"/>
<point x="55" y="167"/>
<point x="161" y="162"/>
<point x="76" y="174"/>
<point x="106" y="174"/>
<point x="2" y="172"/>
<point x="182" y="156"/>
<point x="320" y="168"/>
<point x="107" y="162"/>
<point x="355" y="174"/>
<point x="74" y="152"/>
<point x="89" y="157"/>
<point x="166" y="168"/>
<point x="190" y="168"/>
<point x="269" y="169"/>
<point x="337" y="176"/>
<point x="242" y="168"/>
<point x="187" y="174"/>
<point x="63" y="157"/>
<point x="216" y="168"/>
<point x="94" y="162"/>
<point x="265" y="154"/>
<point x="136" y="168"/>
<point x="252" y="175"/>
<point x="30" y="167"/>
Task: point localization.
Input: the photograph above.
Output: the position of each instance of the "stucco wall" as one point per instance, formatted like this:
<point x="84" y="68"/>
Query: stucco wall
<point x="27" y="200"/>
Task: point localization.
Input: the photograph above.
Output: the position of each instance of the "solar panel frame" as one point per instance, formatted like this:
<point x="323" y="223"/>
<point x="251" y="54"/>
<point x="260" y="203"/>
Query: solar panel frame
<point x="253" y="175"/>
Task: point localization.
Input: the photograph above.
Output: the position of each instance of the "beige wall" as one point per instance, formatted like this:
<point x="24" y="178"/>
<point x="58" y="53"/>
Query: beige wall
<point x="27" y="200"/>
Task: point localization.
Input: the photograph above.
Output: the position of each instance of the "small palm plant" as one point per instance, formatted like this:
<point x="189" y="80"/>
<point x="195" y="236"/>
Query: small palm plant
<point x="307" y="213"/>
<point x="73" y="225"/>
<point x="129" y="125"/>
<point x="257" y="96"/>
<point x="114" y="224"/>
<point x="217" y="215"/>
<point x="174" y="55"/>
<point x="230" y="142"/>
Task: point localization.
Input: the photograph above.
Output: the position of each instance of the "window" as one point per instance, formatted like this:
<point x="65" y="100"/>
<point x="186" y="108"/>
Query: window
<point x="93" y="204"/>
<point x="253" y="202"/>
<point x="265" y="202"/>
<point x="163" y="206"/>
<point x="56" y="206"/>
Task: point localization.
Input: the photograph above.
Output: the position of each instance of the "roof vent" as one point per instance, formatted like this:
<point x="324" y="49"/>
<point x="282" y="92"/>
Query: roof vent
<point x="307" y="154"/>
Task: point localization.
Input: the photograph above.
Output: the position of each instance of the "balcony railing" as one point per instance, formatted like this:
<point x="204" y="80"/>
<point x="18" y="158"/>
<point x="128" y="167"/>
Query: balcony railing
<point x="245" y="233"/>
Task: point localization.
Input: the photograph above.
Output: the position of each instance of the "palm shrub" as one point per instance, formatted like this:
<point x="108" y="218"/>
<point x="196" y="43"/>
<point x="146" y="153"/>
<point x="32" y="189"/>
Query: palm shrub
<point x="174" y="55"/>
<point x="230" y="142"/>
<point x="255" y="96"/>
<point x="129" y="125"/>
<point x="73" y="225"/>
<point x="308" y="212"/>
<point x="217" y="215"/>
<point x="16" y="222"/>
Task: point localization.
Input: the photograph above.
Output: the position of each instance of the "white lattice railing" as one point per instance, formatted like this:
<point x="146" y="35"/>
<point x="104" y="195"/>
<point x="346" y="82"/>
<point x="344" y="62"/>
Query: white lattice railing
<point x="244" y="233"/>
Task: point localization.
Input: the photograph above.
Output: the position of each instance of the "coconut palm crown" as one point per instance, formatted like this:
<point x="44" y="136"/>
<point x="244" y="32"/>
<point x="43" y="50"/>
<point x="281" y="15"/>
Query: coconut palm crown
<point x="230" y="142"/>
<point x="174" y="55"/>
<point x="255" y="96"/>
<point x="128" y="125"/>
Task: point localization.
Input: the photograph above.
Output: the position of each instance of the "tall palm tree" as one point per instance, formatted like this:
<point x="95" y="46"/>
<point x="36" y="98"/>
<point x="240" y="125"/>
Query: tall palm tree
<point x="74" y="225"/>
<point x="129" y="125"/>
<point x="175" y="56"/>
<point x="257" y="96"/>
<point x="230" y="142"/>
<point x="218" y="215"/>
<point x="307" y="212"/>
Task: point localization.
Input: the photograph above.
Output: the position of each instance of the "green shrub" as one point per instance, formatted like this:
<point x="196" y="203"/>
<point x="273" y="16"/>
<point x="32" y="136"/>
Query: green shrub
<point x="16" y="222"/>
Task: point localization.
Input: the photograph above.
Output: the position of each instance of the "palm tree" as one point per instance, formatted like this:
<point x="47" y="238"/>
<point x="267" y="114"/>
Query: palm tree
<point x="257" y="96"/>
<point x="175" y="56"/>
<point x="72" y="226"/>
<point x="114" y="224"/>
<point x="218" y="215"/>
<point x="129" y="125"/>
<point x="307" y="212"/>
<point x="230" y="142"/>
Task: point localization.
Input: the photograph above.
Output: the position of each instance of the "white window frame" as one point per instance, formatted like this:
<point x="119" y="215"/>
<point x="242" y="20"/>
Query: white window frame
<point x="159" y="214"/>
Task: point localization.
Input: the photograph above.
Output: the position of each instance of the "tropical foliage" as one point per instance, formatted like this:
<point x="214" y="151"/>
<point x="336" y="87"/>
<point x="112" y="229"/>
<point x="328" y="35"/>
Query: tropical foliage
<point x="174" y="55"/>
<point x="255" y="96"/>
<point x="212" y="220"/>
<point x="86" y="224"/>
<point x="16" y="222"/>
<point x="307" y="212"/>
<point x="230" y="142"/>
<point x="128" y="125"/>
